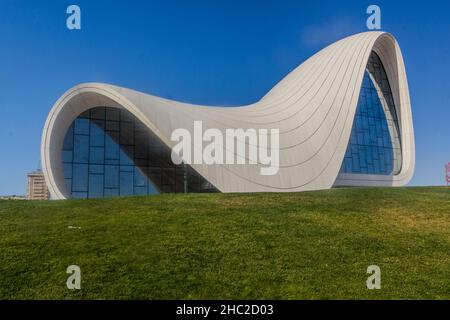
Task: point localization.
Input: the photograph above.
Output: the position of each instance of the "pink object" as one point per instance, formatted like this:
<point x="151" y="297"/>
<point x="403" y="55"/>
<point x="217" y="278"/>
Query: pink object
<point x="447" y="173"/>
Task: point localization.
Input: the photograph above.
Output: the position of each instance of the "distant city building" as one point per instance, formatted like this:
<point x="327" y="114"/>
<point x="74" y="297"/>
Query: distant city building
<point x="36" y="186"/>
<point x="447" y="173"/>
<point x="13" y="197"/>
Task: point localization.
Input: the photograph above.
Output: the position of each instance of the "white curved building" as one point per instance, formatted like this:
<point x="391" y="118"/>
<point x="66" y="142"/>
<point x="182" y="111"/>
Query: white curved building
<point x="344" y="119"/>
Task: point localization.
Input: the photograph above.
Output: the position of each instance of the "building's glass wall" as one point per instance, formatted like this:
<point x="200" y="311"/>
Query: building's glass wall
<point x="374" y="146"/>
<point x="108" y="152"/>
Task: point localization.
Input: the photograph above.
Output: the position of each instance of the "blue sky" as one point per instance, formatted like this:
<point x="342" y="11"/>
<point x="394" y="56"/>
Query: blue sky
<point x="206" y="52"/>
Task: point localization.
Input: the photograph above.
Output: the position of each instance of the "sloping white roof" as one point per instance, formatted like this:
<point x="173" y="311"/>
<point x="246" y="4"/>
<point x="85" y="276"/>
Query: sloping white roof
<point x="313" y="107"/>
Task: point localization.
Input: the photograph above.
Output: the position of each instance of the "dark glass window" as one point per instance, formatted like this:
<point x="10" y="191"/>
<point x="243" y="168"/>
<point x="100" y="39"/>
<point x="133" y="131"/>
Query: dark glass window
<point x="374" y="146"/>
<point x="107" y="152"/>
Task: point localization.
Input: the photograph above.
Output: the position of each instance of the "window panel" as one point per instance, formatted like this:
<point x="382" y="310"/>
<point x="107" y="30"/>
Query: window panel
<point x="107" y="152"/>
<point x="113" y="114"/>
<point x="375" y="131"/>
<point x="95" y="186"/>
<point x="111" y="176"/>
<point x="126" y="155"/>
<point x="140" y="190"/>
<point x="112" y="149"/>
<point x="126" y="133"/>
<point x="97" y="155"/>
<point x="68" y="140"/>
<point x="140" y="179"/>
<point x="81" y="149"/>
<point x="111" y="192"/>
<point x="126" y="116"/>
<point x="69" y="185"/>
<point x="97" y="169"/>
<point x="80" y="178"/>
<point x="97" y="134"/>
<point x="126" y="183"/>
<point x="67" y="170"/>
<point x="98" y="113"/>
<point x="79" y="195"/>
<point x="113" y="126"/>
<point x="82" y="126"/>
<point x="67" y="156"/>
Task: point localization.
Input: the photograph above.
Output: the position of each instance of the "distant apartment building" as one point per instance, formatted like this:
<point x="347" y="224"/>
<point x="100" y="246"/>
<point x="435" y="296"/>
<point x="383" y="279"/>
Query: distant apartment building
<point x="36" y="186"/>
<point x="13" y="197"/>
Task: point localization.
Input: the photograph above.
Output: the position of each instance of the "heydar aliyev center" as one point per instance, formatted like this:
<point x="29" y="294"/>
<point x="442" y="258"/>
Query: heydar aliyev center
<point x="344" y="119"/>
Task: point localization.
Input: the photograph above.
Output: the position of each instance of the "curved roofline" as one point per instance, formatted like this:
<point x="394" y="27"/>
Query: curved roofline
<point x="313" y="106"/>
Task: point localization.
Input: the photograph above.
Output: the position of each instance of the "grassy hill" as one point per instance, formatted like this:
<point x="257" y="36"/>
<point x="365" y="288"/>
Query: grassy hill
<point x="310" y="245"/>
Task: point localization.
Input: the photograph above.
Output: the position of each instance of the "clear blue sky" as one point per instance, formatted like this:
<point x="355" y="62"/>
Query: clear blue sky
<point x="206" y="52"/>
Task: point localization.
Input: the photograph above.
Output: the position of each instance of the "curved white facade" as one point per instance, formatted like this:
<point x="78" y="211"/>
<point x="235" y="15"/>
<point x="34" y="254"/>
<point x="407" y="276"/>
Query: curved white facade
<point x="313" y="107"/>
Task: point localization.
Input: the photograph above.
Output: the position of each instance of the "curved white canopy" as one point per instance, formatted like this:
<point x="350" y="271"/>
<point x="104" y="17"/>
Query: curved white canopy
<point x="313" y="107"/>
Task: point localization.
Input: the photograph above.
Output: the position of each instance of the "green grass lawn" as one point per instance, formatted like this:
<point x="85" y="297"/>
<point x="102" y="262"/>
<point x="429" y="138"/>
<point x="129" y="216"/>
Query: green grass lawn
<point x="312" y="245"/>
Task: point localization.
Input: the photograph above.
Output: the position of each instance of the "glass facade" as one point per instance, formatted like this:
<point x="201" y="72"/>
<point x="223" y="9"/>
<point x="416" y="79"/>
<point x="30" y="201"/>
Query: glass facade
<point x="374" y="146"/>
<point x="108" y="152"/>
